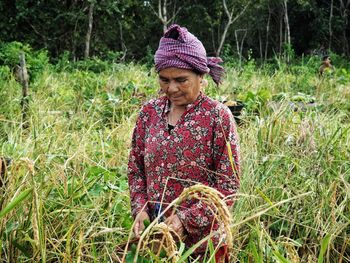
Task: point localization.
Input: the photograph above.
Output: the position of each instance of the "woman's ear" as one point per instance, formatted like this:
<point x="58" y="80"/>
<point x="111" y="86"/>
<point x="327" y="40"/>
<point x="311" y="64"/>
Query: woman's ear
<point x="201" y="78"/>
<point x="204" y="83"/>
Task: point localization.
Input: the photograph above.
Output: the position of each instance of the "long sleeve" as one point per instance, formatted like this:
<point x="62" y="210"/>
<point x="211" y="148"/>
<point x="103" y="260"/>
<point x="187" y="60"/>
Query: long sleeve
<point x="136" y="169"/>
<point x="226" y="155"/>
<point x="198" y="218"/>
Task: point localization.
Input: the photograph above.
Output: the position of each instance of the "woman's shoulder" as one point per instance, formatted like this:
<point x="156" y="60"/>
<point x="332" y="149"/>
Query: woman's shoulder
<point x="156" y="104"/>
<point x="216" y="106"/>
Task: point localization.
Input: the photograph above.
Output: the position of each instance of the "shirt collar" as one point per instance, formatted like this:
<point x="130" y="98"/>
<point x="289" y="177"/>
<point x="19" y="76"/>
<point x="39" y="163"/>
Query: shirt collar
<point x="188" y="107"/>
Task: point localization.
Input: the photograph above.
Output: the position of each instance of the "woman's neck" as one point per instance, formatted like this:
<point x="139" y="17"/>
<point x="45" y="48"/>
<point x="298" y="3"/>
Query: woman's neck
<point x="175" y="114"/>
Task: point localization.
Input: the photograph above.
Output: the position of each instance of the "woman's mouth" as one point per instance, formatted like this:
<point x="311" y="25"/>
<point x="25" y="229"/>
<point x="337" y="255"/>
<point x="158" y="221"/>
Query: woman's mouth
<point x="176" y="97"/>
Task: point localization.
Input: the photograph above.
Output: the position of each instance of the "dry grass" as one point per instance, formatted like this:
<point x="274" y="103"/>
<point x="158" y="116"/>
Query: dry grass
<point x="75" y="206"/>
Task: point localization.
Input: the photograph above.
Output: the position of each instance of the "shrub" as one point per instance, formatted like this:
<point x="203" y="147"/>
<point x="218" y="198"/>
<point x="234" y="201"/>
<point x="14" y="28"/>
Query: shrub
<point x="36" y="61"/>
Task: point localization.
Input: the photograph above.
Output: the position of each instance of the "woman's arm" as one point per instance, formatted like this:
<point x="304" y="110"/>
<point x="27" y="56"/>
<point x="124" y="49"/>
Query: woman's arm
<point x="136" y="174"/>
<point x="226" y="154"/>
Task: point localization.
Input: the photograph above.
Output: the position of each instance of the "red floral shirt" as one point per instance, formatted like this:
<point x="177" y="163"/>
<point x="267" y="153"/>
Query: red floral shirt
<point x="163" y="162"/>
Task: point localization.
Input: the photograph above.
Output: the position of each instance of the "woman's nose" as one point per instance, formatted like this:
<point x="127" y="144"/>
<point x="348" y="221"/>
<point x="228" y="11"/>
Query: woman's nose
<point x="173" y="87"/>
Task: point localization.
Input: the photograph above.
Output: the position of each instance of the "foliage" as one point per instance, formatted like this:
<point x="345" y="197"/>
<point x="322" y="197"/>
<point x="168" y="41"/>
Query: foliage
<point x="36" y="61"/>
<point x="66" y="193"/>
<point x="129" y="26"/>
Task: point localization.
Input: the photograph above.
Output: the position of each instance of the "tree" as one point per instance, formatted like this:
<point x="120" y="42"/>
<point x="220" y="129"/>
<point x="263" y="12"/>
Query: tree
<point x="330" y="25"/>
<point x="344" y="10"/>
<point x="286" y="20"/>
<point x="129" y="29"/>
<point x="231" y="19"/>
<point x="163" y="14"/>
<point x="88" y="33"/>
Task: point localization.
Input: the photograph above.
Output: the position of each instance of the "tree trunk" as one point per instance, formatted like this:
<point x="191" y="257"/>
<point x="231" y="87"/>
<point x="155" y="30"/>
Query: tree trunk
<point x="242" y="41"/>
<point x="213" y="38"/>
<point x="122" y="43"/>
<point x="286" y="19"/>
<point x="281" y="34"/>
<point x="239" y="46"/>
<point x="88" y="34"/>
<point x="344" y="14"/>
<point x="222" y="39"/>
<point x="163" y="14"/>
<point x="267" y="32"/>
<point x="230" y="21"/>
<point x="260" y="45"/>
<point x="330" y="26"/>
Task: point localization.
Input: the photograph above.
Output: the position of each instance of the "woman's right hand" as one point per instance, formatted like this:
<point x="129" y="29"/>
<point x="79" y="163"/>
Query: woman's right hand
<point x="139" y="225"/>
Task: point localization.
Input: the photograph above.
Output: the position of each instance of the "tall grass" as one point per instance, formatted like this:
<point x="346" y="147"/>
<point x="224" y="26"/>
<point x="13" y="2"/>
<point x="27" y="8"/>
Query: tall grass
<point x="65" y="195"/>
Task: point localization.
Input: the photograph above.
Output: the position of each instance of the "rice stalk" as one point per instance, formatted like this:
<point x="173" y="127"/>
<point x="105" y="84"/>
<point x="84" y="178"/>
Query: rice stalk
<point x="214" y="199"/>
<point x="206" y="194"/>
<point x="292" y="252"/>
<point x="167" y="242"/>
<point x="37" y="222"/>
<point x="80" y="246"/>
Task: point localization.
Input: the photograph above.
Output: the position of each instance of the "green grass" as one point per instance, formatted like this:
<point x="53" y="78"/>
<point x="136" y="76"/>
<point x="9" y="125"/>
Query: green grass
<point x="66" y="194"/>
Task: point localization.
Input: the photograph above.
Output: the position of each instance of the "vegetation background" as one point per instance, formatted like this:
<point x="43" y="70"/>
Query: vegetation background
<point x="64" y="196"/>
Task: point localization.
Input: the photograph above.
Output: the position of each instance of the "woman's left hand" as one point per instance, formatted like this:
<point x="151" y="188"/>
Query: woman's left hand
<point x="174" y="222"/>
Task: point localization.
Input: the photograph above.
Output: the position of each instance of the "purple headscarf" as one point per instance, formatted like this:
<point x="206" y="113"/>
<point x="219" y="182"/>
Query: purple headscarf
<point x="180" y="49"/>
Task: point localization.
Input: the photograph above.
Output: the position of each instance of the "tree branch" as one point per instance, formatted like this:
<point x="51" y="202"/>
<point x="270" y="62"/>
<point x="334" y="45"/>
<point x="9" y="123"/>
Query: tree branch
<point x="229" y="22"/>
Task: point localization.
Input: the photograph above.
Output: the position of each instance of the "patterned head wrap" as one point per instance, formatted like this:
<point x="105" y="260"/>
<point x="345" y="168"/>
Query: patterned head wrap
<point x="180" y="49"/>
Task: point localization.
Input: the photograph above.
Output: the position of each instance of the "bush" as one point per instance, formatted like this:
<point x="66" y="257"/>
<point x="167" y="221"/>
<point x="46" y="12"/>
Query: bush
<point x="36" y="61"/>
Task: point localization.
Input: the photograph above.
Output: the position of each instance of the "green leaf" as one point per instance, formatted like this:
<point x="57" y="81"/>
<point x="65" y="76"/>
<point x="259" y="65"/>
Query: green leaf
<point x="324" y="246"/>
<point x="96" y="171"/>
<point x="211" y="250"/>
<point x="192" y="249"/>
<point x="253" y="250"/>
<point x="182" y="248"/>
<point x="130" y="257"/>
<point x="133" y="248"/>
<point x="14" y="203"/>
<point x="266" y="199"/>
<point x="162" y="254"/>
<point x="146" y="223"/>
<point x="24" y="249"/>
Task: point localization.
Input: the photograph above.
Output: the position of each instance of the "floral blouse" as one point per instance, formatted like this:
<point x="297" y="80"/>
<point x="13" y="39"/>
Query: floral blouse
<point x="162" y="162"/>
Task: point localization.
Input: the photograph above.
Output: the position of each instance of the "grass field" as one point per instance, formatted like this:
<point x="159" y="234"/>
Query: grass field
<point x="65" y="196"/>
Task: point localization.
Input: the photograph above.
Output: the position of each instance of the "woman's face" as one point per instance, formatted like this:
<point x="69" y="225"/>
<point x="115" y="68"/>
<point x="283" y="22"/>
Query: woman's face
<point x="181" y="86"/>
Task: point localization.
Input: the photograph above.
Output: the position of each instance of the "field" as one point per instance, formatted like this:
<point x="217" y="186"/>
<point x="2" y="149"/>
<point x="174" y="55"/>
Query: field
<point x="65" y="196"/>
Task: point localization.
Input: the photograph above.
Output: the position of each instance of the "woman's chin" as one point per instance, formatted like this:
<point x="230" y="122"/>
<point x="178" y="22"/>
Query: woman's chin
<point x="177" y="101"/>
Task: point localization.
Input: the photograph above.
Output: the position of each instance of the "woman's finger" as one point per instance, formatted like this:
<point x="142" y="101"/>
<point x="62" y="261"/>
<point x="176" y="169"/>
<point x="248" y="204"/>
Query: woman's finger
<point x="137" y="229"/>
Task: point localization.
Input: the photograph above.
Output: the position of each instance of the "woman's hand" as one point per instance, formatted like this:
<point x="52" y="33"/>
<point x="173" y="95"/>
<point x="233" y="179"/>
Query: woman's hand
<point x="139" y="225"/>
<point x="174" y="222"/>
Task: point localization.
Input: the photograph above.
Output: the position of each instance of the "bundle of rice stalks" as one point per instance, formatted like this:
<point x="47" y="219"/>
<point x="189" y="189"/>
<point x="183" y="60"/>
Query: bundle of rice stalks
<point x="159" y="237"/>
<point x="214" y="199"/>
<point x="159" y="240"/>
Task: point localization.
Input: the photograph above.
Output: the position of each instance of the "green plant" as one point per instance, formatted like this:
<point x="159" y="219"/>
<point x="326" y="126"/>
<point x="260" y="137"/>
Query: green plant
<point x="293" y="203"/>
<point x="36" y="61"/>
<point x="255" y="101"/>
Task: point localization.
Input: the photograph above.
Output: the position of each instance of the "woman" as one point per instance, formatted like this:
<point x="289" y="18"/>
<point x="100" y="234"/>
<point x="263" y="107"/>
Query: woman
<point x="180" y="139"/>
<point x="326" y="65"/>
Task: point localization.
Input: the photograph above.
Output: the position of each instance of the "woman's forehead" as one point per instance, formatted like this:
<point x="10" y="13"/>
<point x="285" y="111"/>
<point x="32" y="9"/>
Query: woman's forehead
<point x="175" y="72"/>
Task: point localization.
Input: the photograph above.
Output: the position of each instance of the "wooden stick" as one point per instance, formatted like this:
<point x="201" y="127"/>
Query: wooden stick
<point x="24" y="81"/>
